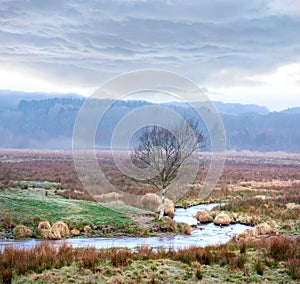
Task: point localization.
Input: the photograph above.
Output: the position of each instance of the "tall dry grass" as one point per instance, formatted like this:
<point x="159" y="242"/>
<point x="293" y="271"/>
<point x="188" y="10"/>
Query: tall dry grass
<point x="234" y="254"/>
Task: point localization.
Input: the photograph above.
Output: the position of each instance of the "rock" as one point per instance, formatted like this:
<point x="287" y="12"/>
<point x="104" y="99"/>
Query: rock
<point x="22" y="232"/>
<point x="264" y="229"/>
<point x="75" y="232"/>
<point x="222" y="219"/>
<point x="202" y="216"/>
<point x="61" y="228"/>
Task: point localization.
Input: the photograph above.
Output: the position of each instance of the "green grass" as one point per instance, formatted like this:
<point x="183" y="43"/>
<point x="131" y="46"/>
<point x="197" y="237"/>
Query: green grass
<point x="30" y="206"/>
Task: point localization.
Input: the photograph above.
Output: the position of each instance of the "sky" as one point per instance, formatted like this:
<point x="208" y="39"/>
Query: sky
<point x="238" y="51"/>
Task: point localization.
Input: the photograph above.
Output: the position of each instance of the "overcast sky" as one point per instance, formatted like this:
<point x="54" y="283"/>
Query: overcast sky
<point x="240" y="51"/>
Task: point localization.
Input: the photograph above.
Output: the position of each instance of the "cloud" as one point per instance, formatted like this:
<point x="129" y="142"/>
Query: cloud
<point x="83" y="43"/>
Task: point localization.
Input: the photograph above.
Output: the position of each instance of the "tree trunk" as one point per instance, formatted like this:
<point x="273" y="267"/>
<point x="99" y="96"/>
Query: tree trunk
<point x="162" y="207"/>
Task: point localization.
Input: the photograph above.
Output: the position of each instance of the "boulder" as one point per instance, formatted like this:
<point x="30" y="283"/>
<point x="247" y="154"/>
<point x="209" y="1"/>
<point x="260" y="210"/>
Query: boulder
<point x="22" y="232"/>
<point x="202" y="216"/>
<point x="222" y="219"/>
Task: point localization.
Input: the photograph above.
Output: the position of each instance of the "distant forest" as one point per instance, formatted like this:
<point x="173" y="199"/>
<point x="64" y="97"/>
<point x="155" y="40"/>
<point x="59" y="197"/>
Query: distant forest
<point x="48" y="124"/>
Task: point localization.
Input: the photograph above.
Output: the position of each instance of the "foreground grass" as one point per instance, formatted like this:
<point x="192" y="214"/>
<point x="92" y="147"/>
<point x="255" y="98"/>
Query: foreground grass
<point x="30" y="206"/>
<point x="270" y="260"/>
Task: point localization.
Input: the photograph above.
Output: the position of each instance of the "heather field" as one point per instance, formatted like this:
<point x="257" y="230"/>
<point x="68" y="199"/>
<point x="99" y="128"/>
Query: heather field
<point x="261" y="190"/>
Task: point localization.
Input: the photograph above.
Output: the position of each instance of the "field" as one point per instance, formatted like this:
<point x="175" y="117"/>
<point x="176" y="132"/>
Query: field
<point x="257" y="189"/>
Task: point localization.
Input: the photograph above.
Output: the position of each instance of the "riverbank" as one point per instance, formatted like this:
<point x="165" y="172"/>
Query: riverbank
<point x="31" y="207"/>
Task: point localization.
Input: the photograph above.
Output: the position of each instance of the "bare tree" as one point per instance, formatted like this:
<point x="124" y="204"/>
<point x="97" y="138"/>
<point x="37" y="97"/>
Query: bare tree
<point x="163" y="151"/>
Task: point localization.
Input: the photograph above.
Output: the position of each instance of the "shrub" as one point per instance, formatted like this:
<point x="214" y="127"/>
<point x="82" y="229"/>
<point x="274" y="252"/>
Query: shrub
<point x="120" y="257"/>
<point x="224" y="256"/>
<point x="45" y="225"/>
<point x="7" y="222"/>
<point x="198" y="274"/>
<point x="202" y="216"/>
<point x="167" y="224"/>
<point x="281" y="248"/>
<point x="243" y="246"/>
<point x="237" y="262"/>
<point x="293" y="266"/>
<point x="6" y="276"/>
<point x="89" y="259"/>
<point x="108" y="197"/>
<point x="144" y="253"/>
<point x="152" y="201"/>
<point x="222" y="219"/>
<point x="192" y="254"/>
<point x="75" y="232"/>
<point x="61" y="228"/>
<point x="264" y="229"/>
<point x="22" y="232"/>
<point x="184" y="228"/>
<point x="65" y="255"/>
<point x="87" y="229"/>
<point x="259" y="267"/>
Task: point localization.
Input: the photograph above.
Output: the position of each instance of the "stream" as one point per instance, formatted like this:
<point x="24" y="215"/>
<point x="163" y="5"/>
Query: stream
<point x="203" y="235"/>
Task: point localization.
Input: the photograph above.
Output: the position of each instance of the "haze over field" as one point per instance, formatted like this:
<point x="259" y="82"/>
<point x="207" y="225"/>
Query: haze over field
<point x="238" y="51"/>
<point x="48" y="123"/>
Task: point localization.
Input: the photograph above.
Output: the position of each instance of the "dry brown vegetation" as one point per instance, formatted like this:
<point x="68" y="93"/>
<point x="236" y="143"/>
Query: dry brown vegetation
<point x="236" y="255"/>
<point x="244" y="173"/>
<point x="257" y="187"/>
<point x="260" y="189"/>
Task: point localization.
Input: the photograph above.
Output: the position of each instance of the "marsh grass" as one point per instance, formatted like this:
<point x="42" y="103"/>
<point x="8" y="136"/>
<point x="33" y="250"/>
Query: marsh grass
<point x="145" y="263"/>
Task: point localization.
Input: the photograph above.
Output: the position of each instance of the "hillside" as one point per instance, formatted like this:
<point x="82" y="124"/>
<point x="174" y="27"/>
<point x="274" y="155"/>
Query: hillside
<point x="48" y="123"/>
